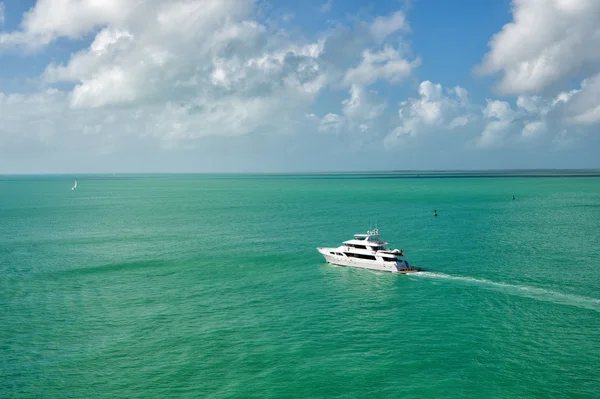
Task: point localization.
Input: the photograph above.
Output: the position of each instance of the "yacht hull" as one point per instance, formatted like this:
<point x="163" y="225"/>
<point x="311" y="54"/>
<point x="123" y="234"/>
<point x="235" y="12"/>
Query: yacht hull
<point x="341" y="260"/>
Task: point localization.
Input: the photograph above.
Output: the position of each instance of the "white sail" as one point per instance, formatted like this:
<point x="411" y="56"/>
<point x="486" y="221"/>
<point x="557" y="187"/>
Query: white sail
<point x="75" y="185"/>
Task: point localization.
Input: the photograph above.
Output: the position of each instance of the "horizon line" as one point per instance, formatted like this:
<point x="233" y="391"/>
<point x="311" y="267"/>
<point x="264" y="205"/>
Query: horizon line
<point x="310" y="172"/>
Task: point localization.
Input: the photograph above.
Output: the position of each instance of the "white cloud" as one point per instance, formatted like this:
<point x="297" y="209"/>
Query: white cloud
<point x="582" y="107"/>
<point x="331" y="123"/>
<point x="169" y="73"/>
<point x="435" y="108"/>
<point x="494" y="133"/>
<point x="564" y="97"/>
<point x="499" y="109"/>
<point x="533" y="129"/>
<point x="459" y="121"/>
<point x="504" y="125"/>
<point x="184" y="69"/>
<point x="140" y="60"/>
<point x="45" y="119"/>
<point x="374" y="50"/>
<point x="360" y="113"/>
<point x="387" y="64"/>
<point x="385" y="26"/>
<point x="547" y="42"/>
<point x="532" y="104"/>
<point x="535" y="115"/>
<point x="532" y="117"/>
<point x="51" y="19"/>
<point x="187" y="68"/>
<point x="359" y="106"/>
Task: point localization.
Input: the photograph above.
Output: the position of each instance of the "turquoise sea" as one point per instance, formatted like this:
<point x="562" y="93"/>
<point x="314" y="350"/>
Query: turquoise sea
<point x="210" y="286"/>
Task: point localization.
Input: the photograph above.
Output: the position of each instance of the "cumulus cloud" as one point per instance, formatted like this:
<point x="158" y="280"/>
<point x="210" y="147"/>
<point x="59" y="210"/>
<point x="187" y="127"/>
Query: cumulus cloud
<point x="45" y="120"/>
<point x="359" y="116"/>
<point x="360" y="106"/>
<point x="533" y="129"/>
<point x="378" y="61"/>
<point x="493" y="134"/>
<point x="500" y="110"/>
<point x="386" y="25"/>
<point x="387" y="64"/>
<point x="582" y="107"/>
<point x="167" y="50"/>
<point x="186" y="68"/>
<point x="52" y="19"/>
<point x="435" y="107"/>
<point x="546" y="42"/>
<point x="171" y="72"/>
<point x="499" y="117"/>
<point x="365" y="52"/>
<point x="330" y="123"/>
<point x="496" y="124"/>
<point x="533" y="104"/>
<point x="531" y="119"/>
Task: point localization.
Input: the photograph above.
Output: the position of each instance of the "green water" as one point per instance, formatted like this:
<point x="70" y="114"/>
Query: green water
<point x="211" y="287"/>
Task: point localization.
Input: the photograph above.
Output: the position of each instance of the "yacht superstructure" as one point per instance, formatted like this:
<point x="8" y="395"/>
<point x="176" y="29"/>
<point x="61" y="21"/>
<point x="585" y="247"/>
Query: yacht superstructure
<point x="367" y="251"/>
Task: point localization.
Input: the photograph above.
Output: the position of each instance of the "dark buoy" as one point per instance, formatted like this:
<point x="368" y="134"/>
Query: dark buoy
<point x="434" y="212"/>
<point x="513" y="197"/>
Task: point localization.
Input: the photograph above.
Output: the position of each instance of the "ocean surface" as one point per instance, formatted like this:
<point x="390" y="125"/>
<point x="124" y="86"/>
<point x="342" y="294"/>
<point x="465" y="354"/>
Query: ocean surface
<point x="210" y="286"/>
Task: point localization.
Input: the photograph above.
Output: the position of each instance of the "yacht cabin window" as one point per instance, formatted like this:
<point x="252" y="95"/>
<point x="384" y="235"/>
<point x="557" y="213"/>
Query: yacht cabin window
<point x="357" y="246"/>
<point x="361" y="256"/>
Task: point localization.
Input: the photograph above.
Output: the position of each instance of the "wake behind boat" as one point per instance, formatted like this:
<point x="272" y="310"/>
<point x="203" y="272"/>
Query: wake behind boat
<point x="367" y="251"/>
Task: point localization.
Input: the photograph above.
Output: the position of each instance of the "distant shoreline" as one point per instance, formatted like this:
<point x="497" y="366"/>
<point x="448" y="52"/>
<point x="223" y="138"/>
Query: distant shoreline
<point x="341" y="174"/>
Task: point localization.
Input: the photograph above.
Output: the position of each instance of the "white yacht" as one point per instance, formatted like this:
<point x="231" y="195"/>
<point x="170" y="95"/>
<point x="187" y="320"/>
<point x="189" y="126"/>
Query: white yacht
<point x="367" y="251"/>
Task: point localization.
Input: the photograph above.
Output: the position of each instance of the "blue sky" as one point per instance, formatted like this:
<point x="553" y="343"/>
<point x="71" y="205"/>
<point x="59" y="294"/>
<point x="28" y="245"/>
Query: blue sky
<point x="281" y="86"/>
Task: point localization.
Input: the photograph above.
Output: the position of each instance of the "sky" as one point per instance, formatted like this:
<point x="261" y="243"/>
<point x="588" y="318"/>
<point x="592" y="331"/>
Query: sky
<point x="234" y="86"/>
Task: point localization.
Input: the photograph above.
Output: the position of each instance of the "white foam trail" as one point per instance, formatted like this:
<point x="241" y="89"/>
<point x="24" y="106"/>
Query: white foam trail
<point x="541" y="294"/>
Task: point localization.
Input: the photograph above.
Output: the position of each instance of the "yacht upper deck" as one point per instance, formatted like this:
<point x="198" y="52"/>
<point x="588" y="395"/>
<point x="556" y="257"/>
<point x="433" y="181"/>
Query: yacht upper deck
<point x="370" y="238"/>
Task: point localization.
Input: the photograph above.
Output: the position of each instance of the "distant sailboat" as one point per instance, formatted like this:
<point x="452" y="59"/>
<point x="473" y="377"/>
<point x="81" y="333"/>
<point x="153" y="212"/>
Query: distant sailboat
<point x="74" y="186"/>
